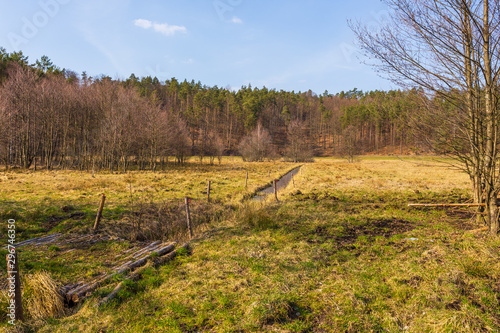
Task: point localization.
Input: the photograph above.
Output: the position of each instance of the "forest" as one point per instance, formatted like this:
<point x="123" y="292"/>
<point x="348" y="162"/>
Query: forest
<point x="56" y="118"/>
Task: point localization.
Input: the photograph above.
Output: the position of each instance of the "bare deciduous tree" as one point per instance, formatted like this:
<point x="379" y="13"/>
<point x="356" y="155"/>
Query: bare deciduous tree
<point x="299" y="149"/>
<point x="450" y="49"/>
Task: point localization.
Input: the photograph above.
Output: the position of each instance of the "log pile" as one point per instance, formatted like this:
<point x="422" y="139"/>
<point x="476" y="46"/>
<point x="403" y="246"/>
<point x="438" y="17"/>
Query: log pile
<point x="129" y="261"/>
<point x="137" y="274"/>
<point x="74" y="293"/>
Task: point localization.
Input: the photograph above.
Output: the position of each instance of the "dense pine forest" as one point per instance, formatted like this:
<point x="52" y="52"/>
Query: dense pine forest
<point x="55" y="118"/>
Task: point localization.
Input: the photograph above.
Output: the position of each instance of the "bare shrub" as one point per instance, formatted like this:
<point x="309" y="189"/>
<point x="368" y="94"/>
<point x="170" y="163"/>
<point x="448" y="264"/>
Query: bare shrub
<point x="257" y="146"/>
<point x="210" y="144"/>
<point x="163" y="221"/>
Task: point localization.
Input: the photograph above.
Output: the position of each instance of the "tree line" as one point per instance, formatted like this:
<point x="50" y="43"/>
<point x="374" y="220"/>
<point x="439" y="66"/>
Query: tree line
<point x="53" y="117"/>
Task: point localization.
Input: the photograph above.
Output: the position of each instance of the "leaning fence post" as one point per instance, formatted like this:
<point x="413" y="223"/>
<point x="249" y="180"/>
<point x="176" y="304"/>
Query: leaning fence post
<point x="99" y="213"/>
<point x="15" y="308"/>
<point x="208" y="190"/>
<point x="246" y="180"/>
<point x="188" y="217"/>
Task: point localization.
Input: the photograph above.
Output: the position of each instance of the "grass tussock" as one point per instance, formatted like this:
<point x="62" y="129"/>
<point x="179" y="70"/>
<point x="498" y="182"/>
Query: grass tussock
<point x="42" y="297"/>
<point x="255" y="216"/>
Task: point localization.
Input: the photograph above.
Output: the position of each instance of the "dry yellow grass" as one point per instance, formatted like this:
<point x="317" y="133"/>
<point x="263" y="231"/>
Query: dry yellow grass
<point x="379" y="175"/>
<point x="345" y="255"/>
<point x="41" y="296"/>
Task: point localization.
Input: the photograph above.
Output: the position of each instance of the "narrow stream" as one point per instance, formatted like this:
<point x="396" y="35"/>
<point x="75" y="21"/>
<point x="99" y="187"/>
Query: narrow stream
<point x="281" y="184"/>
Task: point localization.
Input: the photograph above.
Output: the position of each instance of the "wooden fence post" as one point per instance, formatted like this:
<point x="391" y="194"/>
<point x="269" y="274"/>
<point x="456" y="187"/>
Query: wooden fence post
<point x="275" y="185"/>
<point x="208" y="190"/>
<point x="246" y="180"/>
<point x="188" y="216"/>
<point x="15" y="308"/>
<point x="99" y="213"/>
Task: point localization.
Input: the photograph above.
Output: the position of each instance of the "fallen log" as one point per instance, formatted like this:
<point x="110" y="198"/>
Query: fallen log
<point x="161" y="260"/>
<point x="479" y="230"/>
<point x="150" y="249"/>
<point x="144" y="249"/>
<point x="447" y="205"/>
<point x="39" y="240"/>
<point x="133" y="277"/>
<point x="154" y="247"/>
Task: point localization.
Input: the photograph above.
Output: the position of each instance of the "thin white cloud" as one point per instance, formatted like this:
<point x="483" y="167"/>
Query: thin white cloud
<point x="236" y="20"/>
<point x="163" y="28"/>
<point x="145" y="24"/>
<point x="168" y="30"/>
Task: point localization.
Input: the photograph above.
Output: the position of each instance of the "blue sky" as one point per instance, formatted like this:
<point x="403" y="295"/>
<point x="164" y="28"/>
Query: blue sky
<point x="290" y="45"/>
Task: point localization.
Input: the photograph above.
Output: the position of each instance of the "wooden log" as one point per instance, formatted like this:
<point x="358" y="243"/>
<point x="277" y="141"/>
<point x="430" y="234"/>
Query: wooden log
<point x="120" y="266"/>
<point x="188" y="218"/>
<point x="165" y="249"/>
<point x="144" y="249"/>
<point x="151" y="249"/>
<point x="138" y="273"/>
<point x="76" y="239"/>
<point x="143" y="260"/>
<point x="170" y="256"/>
<point x="479" y="230"/>
<point x="76" y="295"/>
<point x="447" y="205"/>
<point x="112" y="295"/>
<point x="65" y="289"/>
<point x="15" y="305"/>
<point x="38" y="240"/>
<point x="99" y="213"/>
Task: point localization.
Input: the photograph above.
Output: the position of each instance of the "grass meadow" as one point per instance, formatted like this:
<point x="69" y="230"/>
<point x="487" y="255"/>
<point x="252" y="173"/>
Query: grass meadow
<point x="340" y="252"/>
